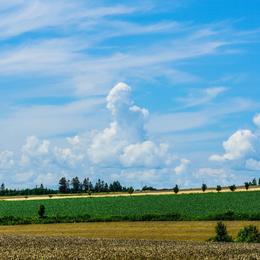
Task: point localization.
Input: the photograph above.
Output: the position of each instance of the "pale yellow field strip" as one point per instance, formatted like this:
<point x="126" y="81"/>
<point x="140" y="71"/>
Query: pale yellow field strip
<point x="154" y="193"/>
<point x="186" y="230"/>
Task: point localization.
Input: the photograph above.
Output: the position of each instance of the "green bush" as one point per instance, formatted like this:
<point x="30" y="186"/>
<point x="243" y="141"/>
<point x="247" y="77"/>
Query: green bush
<point x="248" y="234"/>
<point x="221" y="234"/>
<point x="41" y="211"/>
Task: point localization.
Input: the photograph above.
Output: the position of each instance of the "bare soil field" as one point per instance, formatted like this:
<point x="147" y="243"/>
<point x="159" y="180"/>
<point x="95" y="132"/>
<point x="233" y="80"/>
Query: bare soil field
<point x="44" y="247"/>
<point x="159" y="230"/>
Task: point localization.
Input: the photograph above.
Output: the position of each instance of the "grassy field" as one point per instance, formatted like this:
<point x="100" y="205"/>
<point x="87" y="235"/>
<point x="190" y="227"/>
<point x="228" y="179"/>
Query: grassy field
<point x="166" y="230"/>
<point x="44" y="247"/>
<point x="189" y="206"/>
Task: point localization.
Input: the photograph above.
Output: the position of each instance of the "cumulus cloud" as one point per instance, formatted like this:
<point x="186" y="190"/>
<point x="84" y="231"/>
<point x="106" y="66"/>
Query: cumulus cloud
<point x="125" y="141"/>
<point x="241" y="144"/>
<point x="146" y="154"/>
<point x="123" y="145"/>
<point x="6" y="160"/>
<point x="242" y="149"/>
<point x="256" y="120"/>
<point x="35" y="150"/>
<point x="183" y="167"/>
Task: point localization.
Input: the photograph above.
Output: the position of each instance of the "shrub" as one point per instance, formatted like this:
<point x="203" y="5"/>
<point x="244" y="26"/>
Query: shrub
<point x="41" y="211"/>
<point x="221" y="234"/>
<point x="248" y="234"/>
<point x="247" y="185"/>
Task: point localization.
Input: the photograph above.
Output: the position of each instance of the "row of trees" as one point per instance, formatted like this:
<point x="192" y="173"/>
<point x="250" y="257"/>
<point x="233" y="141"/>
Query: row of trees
<point x="38" y="190"/>
<point x="86" y="186"/>
<point x="76" y="186"/>
<point x="233" y="187"/>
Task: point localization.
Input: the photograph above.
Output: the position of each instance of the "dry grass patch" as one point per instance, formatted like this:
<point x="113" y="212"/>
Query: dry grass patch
<point x="166" y="230"/>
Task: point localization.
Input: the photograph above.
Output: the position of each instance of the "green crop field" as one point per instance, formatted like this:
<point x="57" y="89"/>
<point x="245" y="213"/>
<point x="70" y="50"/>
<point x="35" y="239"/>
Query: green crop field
<point x="190" y="206"/>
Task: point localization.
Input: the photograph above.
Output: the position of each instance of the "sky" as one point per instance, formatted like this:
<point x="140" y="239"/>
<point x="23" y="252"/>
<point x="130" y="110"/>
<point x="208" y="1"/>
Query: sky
<point x="145" y="92"/>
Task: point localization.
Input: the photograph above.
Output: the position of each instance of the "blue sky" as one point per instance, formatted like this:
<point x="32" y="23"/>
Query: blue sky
<point x="139" y="91"/>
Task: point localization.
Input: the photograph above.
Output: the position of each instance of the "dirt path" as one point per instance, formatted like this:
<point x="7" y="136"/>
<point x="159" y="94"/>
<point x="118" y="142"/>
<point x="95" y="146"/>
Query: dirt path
<point x="152" y="193"/>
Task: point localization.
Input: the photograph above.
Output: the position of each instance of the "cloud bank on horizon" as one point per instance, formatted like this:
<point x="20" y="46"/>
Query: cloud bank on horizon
<point x="194" y="71"/>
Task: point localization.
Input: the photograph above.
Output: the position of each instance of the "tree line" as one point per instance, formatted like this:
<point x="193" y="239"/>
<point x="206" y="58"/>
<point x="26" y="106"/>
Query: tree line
<point x="68" y="186"/>
<point x="76" y="186"/>
<point x="86" y="186"/>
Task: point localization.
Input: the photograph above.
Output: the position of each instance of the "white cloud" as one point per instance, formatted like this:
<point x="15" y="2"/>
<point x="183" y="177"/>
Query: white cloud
<point x="201" y="97"/>
<point x="146" y="154"/>
<point x="242" y="144"/>
<point x="35" y="151"/>
<point x="241" y="150"/>
<point x="6" y="160"/>
<point x="256" y="120"/>
<point x="252" y="164"/>
<point x="124" y="144"/>
<point x="183" y="167"/>
<point x="215" y="175"/>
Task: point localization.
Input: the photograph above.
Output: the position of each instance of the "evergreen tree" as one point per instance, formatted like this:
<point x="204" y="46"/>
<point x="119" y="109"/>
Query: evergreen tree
<point x="221" y="233"/>
<point x="176" y="189"/>
<point x="63" y="185"/>
<point x="204" y="187"/>
<point x="115" y="186"/>
<point x="87" y="185"/>
<point x="98" y="186"/>
<point x="75" y="184"/>
<point x="106" y="188"/>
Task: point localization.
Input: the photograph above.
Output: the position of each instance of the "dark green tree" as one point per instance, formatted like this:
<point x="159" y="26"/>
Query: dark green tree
<point x="2" y="189"/>
<point x="75" y="185"/>
<point x="176" y="189"/>
<point x="87" y="185"/>
<point x="63" y="185"/>
<point x="221" y="233"/>
<point x="247" y="185"/>
<point x="254" y="183"/>
<point x="115" y="186"/>
<point x="204" y="187"/>
<point x="98" y="186"/>
<point x="218" y="188"/>
<point x="233" y="187"/>
<point x="106" y="188"/>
